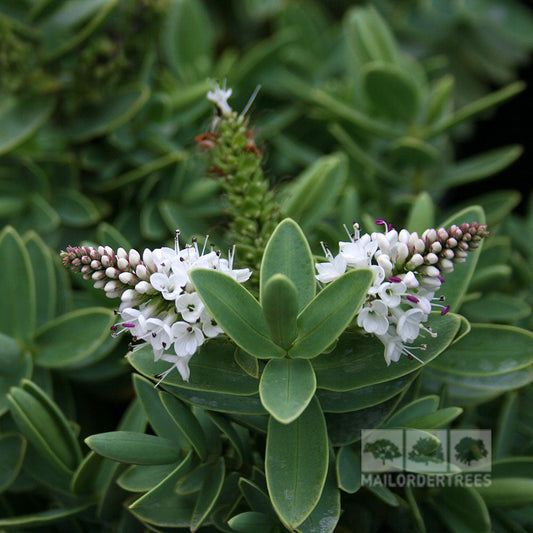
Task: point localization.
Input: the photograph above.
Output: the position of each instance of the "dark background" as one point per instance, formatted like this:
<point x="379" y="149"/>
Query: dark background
<point x="512" y="123"/>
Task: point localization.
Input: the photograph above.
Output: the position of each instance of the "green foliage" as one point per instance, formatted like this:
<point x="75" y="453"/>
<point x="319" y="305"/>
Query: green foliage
<point x="357" y="117"/>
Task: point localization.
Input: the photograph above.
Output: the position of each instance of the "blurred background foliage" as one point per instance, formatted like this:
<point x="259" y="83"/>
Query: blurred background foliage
<point x="366" y="110"/>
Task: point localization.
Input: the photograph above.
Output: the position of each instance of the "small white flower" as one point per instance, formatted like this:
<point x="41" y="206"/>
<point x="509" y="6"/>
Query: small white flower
<point x="393" y="347"/>
<point x="180" y="363"/>
<point x="187" y="338"/>
<point x="379" y="276"/>
<point x="391" y="293"/>
<point x="408" y="325"/>
<point x="170" y="286"/>
<point x="359" y="253"/>
<point x="331" y="270"/>
<point x="373" y="318"/>
<point x="209" y="326"/>
<point x="220" y="98"/>
<point x="190" y="306"/>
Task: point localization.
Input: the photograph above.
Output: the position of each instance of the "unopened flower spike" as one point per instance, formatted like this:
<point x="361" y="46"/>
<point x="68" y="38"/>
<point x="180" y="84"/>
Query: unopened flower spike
<point x="159" y="306"/>
<point x="235" y="162"/>
<point x="408" y="270"/>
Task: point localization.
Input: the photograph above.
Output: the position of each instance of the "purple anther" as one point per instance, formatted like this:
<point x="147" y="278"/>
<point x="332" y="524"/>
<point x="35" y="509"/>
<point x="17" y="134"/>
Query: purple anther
<point x="412" y="298"/>
<point x="395" y="279"/>
<point x="128" y="325"/>
<point x="445" y="310"/>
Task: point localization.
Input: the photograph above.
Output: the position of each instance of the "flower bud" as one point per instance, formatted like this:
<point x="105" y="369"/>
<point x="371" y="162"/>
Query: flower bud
<point x="105" y="261"/>
<point x="111" y="272"/>
<point x="142" y="272"/>
<point x="429" y="270"/>
<point x="415" y="262"/>
<point x="128" y="295"/>
<point x="123" y="263"/>
<point x="112" y="285"/>
<point x="127" y="278"/>
<point x="436" y="247"/>
<point x="143" y="287"/>
<point x="122" y="254"/>
<point x="430" y="259"/>
<point x="134" y="258"/>
<point x="95" y="265"/>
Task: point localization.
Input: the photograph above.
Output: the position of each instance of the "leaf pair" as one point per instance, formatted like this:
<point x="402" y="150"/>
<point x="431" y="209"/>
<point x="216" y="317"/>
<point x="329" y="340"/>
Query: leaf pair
<point x="289" y="324"/>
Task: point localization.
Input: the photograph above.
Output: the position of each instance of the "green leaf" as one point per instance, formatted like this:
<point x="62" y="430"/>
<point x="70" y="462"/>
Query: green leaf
<point x="328" y="314"/>
<point x="216" y="401"/>
<point x="21" y="118"/>
<point x="41" y="422"/>
<point x="256" y="499"/>
<point x="353" y="400"/>
<point x="326" y="514"/>
<point x="43" y="518"/>
<point x="357" y="361"/>
<point x="296" y="464"/>
<point x="75" y="209"/>
<point x="252" y="522"/>
<point x="280" y="307"/>
<point x="142" y="478"/>
<point x="72" y="23"/>
<point x="211" y="488"/>
<point x="213" y="369"/>
<point x="348" y="468"/>
<point x="457" y="281"/>
<point x="413" y="152"/>
<point x="479" y="166"/>
<point x="186" y="421"/>
<point x="312" y="194"/>
<point x="345" y="428"/>
<point x="111" y="236"/>
<point x="247" y="362"/>
<point x="286" y="388"/>
<point x="15" y="364"/>
<point x="73" y="336"/>
<point x="474" y="108"/>
<point x="164" y="507"/>
<point x="17" y="287"/>
<point x="485" y="351"/>
<point x="44" y="276"/>
<point x="462" y="510"/>
<point x="422" y="214"/>
<point x="241" y="446"/>
<point x="236" y="311"/>
<point x="508" y="492"/>
<point x="496" y="307"/>
<point x="391" y="91"/>
<point x="12" y="450"/>
<point x="187" y="40"/>
<point x="134" y="448"/>
<point x="117" y="109"/>
<point x="158" y="416"/>
<point x="419" y="407"/>
<point x="369" y="37"/>
<point x="85" y="478"/>
<point x="287" y="252"/>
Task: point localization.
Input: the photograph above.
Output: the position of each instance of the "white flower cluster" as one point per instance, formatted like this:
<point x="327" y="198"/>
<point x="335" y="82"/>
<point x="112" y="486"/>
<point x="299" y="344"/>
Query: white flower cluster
<point x="172" y="318"/>
<point x="405" y="282"/>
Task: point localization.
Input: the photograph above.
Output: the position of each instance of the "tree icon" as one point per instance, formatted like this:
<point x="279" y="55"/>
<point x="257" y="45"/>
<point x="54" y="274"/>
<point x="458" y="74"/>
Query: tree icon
<point x="469" y="449"/>
<point x="383" y="449"/>
<point x="426" y="450"/>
